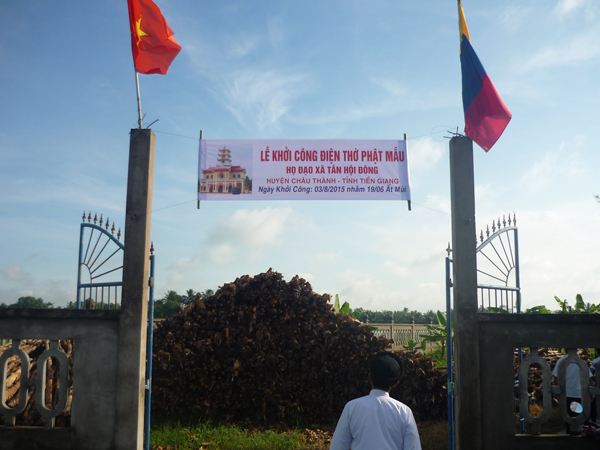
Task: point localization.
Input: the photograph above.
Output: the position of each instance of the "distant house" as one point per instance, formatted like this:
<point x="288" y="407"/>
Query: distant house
<point x="224" y="177"/>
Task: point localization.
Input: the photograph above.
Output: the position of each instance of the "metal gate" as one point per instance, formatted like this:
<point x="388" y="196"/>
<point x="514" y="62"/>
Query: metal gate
<point x="498" y="265"/>
<point x="101" y="260"/>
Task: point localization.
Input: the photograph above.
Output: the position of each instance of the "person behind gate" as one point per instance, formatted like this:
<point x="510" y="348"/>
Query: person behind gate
<point x="378" y="421"/>
<point x="573" y="386"/>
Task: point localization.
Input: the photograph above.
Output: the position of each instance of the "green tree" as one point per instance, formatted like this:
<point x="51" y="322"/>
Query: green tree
<point x="356" y="313"/>
<point x="31" y="302"/>
<point x="540" y="309"/>
<point x="171" y="303"/>
<point x="168" y="306"/>
<point x="402" y="316"/>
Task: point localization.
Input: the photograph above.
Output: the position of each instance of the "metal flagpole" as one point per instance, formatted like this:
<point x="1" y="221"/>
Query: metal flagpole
<point x="405" y="147"/>
<point x="137" y="86"/>
<point x="199" y="156"/>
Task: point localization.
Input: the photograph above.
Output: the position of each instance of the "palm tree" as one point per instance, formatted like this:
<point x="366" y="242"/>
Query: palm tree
<point x="189" y="297"/>
<point x="207" y="293"/>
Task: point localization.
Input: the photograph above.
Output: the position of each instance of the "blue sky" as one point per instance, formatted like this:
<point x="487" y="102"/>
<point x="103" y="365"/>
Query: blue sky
<point x="313" y="70"/>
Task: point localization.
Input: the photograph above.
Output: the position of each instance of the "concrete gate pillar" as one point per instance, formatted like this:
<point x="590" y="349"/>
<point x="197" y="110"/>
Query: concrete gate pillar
<point x="134" y="315"/>
<point x="466" y="327"/>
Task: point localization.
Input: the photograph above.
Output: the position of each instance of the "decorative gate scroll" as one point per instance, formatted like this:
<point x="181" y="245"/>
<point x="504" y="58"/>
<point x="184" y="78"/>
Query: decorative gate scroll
<point x="101" y="258"/>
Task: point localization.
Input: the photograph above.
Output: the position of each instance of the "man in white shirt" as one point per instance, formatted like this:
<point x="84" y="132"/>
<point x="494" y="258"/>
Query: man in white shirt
<point x="573" y="385"/>
<point x="377" y="421"/>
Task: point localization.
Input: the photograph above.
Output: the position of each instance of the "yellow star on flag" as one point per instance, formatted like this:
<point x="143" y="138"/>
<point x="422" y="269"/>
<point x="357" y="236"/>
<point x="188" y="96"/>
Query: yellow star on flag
<point x="152" y="44"/>
<point x="138" y="31"/>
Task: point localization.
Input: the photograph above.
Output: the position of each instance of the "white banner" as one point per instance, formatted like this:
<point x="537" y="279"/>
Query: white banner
<point x="303" y="169"/>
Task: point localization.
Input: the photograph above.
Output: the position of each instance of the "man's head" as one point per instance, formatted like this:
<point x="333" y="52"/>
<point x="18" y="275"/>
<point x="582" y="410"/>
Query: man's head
<point x="386" y="370"/>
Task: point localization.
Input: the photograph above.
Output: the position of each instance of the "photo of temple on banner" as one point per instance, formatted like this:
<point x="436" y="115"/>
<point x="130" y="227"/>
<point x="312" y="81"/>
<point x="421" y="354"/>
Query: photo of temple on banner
<point x="224" y="178"/>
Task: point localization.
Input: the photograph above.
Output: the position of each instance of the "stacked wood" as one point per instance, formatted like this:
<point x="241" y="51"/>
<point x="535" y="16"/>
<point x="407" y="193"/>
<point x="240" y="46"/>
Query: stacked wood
<point x="423" y="387"/>
<point x="261" y="348"/>
<point x="264" y="348"/>
<point x="34" y="348"/>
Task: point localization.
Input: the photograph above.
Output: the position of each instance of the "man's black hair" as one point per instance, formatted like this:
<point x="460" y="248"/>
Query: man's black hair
<point x="386" y="370"/>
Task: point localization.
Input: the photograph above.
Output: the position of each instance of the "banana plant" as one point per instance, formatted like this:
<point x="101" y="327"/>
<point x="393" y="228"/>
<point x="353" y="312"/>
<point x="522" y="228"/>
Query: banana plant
<point x="580" y="306"/>
<point x="345" y="308"/>
<point x="412" y="345"/>
<point x="439" y="333"/>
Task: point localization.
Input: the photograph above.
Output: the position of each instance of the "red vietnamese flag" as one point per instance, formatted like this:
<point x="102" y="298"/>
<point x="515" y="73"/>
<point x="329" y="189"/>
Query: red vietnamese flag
<point x="152" y="42"/>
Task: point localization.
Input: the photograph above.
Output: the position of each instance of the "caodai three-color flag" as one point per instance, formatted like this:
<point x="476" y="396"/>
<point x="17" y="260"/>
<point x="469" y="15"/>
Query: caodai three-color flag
<point x="152" y="42"/>
<point x="486" y="115"/>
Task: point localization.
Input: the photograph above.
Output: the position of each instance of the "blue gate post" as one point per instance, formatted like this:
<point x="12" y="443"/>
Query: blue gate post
<point x="149" y="353"/>
<point x="449" y="367"/>
<point x="518" y="284"/>
<point x="78" y="303"/>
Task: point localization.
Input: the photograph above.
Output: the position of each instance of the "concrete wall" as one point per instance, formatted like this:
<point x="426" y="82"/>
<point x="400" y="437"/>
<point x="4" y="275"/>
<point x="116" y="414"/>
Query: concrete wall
<point x="95" y="336"/>
<point x="500" y="334"/>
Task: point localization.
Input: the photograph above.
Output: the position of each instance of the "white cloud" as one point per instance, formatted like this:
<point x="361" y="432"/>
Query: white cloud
<point x="581" y="48"/>
<point x="19" y="283"/>
<point x="563" y="164"/>
<point x="514" y="16"/>
<point x="391" y="98"/>
<point x="424" y="153"/>
<point x="308" y="277"/>
<point x="221" y="254"/>
<point x="277" y="32"/>
<point x="15" y="274"/>
<point x="438" y="203"/>
<point x="362" y="289"/>
<point x="568" y="6"/>
<point x="558" y="251"/>
<point x="430" y="291"/>
<point x="246" y="79"/>
<point x="260" y="98"/>
<point x="244" y="45"/>
<point x="392" y="87"/>
<point x="485" y="194"/>
<point x="325" y="258"/>
<point x="248" y="231"/>
<point x="397" y="269"/>
<point x="254" y="227"/>
<point x="181" y="270"/>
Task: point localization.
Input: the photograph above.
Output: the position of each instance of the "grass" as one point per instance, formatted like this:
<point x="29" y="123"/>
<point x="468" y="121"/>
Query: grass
<point x="434" y="435"/>
<point x="174" y="436"/>
<point x="204" y="436"/>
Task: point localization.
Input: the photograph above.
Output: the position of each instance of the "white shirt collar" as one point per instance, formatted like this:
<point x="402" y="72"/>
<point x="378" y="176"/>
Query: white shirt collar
<point x="379" y="393"/>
